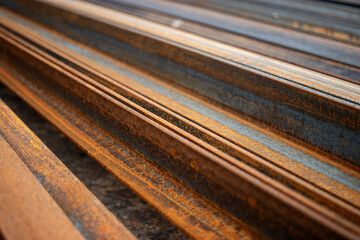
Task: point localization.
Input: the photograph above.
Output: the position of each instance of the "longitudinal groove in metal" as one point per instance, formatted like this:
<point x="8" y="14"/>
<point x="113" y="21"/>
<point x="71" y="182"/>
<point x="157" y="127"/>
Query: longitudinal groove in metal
<point x="86" y="213"/>
<point x="250" y="91"/>
<point x="233" y="29"/>
<point x="224" y="142"/>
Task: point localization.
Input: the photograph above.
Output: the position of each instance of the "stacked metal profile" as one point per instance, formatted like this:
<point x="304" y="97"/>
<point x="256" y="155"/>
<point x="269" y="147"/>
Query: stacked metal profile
<point x="234" y="119"/>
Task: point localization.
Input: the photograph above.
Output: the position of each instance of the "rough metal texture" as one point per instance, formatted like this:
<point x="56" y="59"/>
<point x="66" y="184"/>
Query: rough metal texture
<point x="91" y="218"/>
<point x="140" y="218"/>
<point x="224" y="142"/>
<point x="24" y="202"/>
<point x="233" y="22"/>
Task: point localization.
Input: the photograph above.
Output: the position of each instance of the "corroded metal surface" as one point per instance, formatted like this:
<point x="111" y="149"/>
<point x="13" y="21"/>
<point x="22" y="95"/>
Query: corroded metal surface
<point x="86" y="212"/>
<point x="231" y="26"/>
<point x="24" y="202"/>
<point x="176" y="201"/>
<point x="142" y="220"/>
<point x="316" y="111"/>
<point x="224" y="142"/>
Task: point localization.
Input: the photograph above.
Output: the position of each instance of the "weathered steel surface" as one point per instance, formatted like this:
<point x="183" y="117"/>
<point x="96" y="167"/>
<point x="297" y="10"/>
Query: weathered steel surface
<point x="182" y="120"/>
<point x="26" y="208"/>
<point x="185" y="208"/>
<point x="86" y="212"/>
<point x="180" y="155"/>
<point x="338" y="22"/>
<point x="290" y="39"/>
<point x="321" y="107"/>
<point x="340" y="184"/>
<point x="234" y="31"/>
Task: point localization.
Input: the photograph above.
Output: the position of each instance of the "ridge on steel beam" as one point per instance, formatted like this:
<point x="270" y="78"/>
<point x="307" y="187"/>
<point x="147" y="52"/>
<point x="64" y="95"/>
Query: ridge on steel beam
<point x="320" y="107"/>
<point x="24" y="202"/>
<point x="70" y="83"/>
<point x="44" y="174"/>
<point x="184" y="207"/>
<point x="216" y="25"/>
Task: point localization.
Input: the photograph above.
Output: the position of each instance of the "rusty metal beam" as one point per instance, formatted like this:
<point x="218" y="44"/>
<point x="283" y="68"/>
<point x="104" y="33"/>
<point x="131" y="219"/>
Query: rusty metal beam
<point x="321" y="18"/>
<point x="22" y="153"/>
<point x="26" y="208"/>
<point x="309" y="51"/>
<point x="195" y="127"/>
<point x="254" y="86"/>
<point x="260" y="89"/>
<point x="187" y="209"/>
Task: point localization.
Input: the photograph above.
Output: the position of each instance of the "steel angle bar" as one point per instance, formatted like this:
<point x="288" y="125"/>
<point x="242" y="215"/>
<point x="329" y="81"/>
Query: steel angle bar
<point x="307" y="60"/>
<point x="334" y="21"/>
<point x="322" y="47"/>
<point x="87" y="213"/>
<point x="204" y="179"/>
<point x="24" y="202"/>
<point x="179" y="203"/>
<point x="206" y="170"/>
<point x="321" y="107"/>
<point x="224" y="142"/>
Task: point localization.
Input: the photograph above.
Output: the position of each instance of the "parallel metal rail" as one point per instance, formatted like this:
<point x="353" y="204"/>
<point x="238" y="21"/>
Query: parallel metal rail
<point x="224" y="142"/>
<point x="39" y="194"/>
<point x="245" y="24"/>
